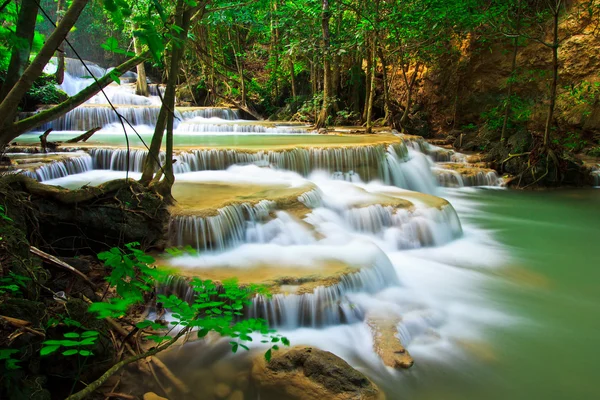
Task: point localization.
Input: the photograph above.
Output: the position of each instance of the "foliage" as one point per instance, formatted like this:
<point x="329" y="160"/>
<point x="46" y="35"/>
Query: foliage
<point x="74" y="344"/>
<point x="519" y="111"/>
<point x="44" y="91"/>
<point x="9" y="362"/>
<point x="572" y="141"/>
<point x="216" y="308"/>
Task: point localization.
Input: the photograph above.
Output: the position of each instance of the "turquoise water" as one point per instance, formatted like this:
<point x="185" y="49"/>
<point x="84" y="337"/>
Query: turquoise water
<point x="551" y="285"/>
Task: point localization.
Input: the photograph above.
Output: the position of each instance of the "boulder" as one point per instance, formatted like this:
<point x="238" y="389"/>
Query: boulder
<point x="312" y="374"/>
<point x="387" y="344"/>
<point x="153" y="396"/>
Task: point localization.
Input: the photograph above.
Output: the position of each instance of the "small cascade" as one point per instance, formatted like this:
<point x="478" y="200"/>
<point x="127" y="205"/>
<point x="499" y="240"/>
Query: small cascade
<point x="85" y="118"/>
<point x="218" y="232"/>
<point x="283" y="230"/>
<point x="116" y="159"/>
<point x="392" y="164"/>
<point x="211" y="126"/>
<point x="312" y="199"/>
<point x="228" y="114"/>
<point x="76" y="69"/>
<point x="77" y="164"/>
<point x="595" y="173"/>
<point x="325" y="305"/>
<point x="466" y="176"/>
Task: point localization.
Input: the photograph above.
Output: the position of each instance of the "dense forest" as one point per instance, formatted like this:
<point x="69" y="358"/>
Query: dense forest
<point x="218" y="125"/>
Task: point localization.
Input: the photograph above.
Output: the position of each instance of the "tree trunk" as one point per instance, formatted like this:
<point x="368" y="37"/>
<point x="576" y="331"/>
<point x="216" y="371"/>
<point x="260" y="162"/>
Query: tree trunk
<point x="513" y="71"/>
<point x="410" y="84"/>
<point x="389" y="113"/>
<point x="166" y="114"/>
<point x="10" y="104"/>
<point x="60" y="54"/>
<point x="368" y="79"/>
<point x="293" y="78"/>
<point x="371" y="88"/>
<point x="554" y="86"/>
<point x="141" y="85"/>
<point x="21" y="50"/>
<point x="325" y="109"/>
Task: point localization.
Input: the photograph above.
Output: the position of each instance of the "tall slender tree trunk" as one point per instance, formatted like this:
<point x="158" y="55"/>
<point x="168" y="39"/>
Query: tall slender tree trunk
<point x="371" y="98"/>
<point x="166" y="115"/>
<point x="410" y="84"/>
<point x="292" y="77"/>
<point x="326" y="107"/>
<point x="368" y="80"/>
<point x="10" y="103"/>
<point x="21" y="50"/>
<point x="554" y="85"/>
<point x="141" y="84"/>
<point x="389" y="113"/>
<point x="513" y="73"/>
<point x="60" y="54"/>
<point x="239" y="63"/>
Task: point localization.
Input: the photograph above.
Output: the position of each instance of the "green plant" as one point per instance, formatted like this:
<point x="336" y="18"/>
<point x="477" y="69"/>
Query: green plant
<point x="594" y="151"/>
<point x="216" y="308"/>
<point x="9" y="362"/>
<point x="3" y="214"/>
<point x="572" y="141"/>
<point x="12" y="283"/>
<point x="73" y="342"/>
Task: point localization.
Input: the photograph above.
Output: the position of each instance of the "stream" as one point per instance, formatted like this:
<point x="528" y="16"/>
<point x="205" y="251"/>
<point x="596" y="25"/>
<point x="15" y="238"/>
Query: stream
<point x="496" y="293"/>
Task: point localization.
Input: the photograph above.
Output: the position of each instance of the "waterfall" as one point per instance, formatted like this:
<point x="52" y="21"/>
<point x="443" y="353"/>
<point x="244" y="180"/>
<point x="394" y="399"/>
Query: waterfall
<point x="370" y="162"/>
<point x="451" y="178"/>
<point x="229" y="114"/>
<point x="76" y="164"/>
<point x="326" y="305"/>
<point x="212" y="126"/>
<point x="217" y="232"/>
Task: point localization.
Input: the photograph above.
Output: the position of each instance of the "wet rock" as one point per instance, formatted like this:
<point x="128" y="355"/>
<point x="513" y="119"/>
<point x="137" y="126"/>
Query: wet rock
<point x="387" y="344"/>
<point x="310" y="373"/>
<point x="224" y="372"/>
<point x="153" y="396"/>
<point x="222" y="390"/>
<point x="242" y="381"/>
<point x="237" y="395"/>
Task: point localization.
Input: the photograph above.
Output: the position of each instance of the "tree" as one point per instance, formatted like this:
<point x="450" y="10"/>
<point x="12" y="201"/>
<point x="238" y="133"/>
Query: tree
<point x="326" y="107"/>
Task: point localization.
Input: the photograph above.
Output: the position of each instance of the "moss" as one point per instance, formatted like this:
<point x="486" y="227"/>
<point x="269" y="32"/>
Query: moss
<point x="43" y="91"/>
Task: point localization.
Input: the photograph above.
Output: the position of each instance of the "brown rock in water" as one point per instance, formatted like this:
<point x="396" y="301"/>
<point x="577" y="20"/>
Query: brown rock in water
<point x="237" y="395"/>
<point x="222" y="390"/>
<point x="309" y="373"/>
<point x="387" y="344"/>
<point x="153" y="396"/>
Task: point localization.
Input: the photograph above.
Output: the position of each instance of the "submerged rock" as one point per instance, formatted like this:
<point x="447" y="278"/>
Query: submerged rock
<point x="387" y="344"/>
<point x="309" y="373"/>
<point x="153" y="396"/>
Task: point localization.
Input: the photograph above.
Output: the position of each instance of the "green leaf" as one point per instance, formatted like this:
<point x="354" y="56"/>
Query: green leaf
<point x="85" y="353"/>
<point x="268" y="355"/>
<point x="71" y="335"/>
<point x="71" y="352"/>
<point x="88" y="334"/>
<point x="48" y="350"/>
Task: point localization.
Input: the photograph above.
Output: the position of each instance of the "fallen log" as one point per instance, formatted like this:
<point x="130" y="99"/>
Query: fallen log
<point x="61" y="264"/>
<point x="84" y="137"/>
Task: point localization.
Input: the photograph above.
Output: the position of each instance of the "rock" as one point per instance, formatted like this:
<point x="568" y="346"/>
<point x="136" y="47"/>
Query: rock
<point x="387" y="344"/>
<point x="237" y="395"/>
<point x="222" y="390"/>
<point x="310" y="373"/>
<point x="224" y="372"/>
<point x="153" y="396"/>
<point x="242" y="380"/>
